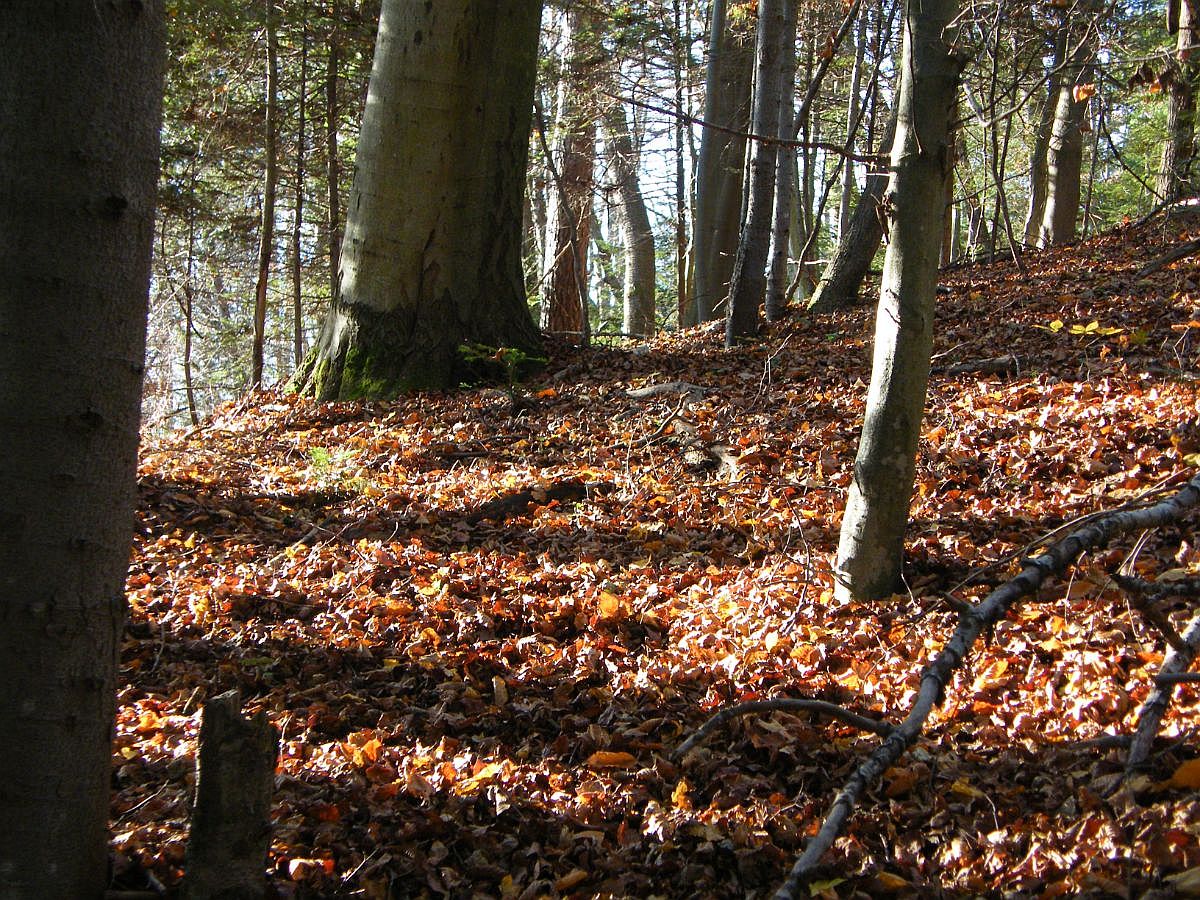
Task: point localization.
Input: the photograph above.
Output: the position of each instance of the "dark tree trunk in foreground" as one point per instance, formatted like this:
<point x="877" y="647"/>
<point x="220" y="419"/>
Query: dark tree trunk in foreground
<point x="872" y="535"/>
<point x="432" y="253"/>
<point x="80" y="96"/>
<point x="844" y="273"/>
<point x="720" y="167"/>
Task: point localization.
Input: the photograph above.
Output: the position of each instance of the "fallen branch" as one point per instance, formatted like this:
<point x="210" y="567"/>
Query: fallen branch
<point x="1165" y="680"/>
<point x="1174" y="255"/>
<point x="974" y="622"/>
<point x="787" y="704"/>
<point x="1150" y="715"/>
<point x="1142" y="598"/>
<point x="517" y="503"/>
<point x="996" y="365"/>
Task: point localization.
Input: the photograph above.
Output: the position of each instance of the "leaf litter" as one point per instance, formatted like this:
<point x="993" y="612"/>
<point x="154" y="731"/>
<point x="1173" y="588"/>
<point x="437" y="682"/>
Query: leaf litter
<point x="479" y="676"/>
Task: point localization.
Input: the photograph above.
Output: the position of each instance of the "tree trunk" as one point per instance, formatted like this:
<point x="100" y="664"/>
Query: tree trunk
<point x="565" y="296"/>
<point x="777" y="274"/>
<point x="432" y="253"/>
<point x="680" y="49"/>
<point x="720" y="167"/>
<point x="748" y="283"/>
<point x="266" y="242"/>
<point x="844" y="273"/>
<point x="1175" y="176"/>
<point x="852" y="113"/>
<point x="333" y="225"/>
<point x="872" y="534"/>
<point x="80" y="99"/>
<point x="635" y="221"/>
<point x="1064" y="155"/>
<point x="1041" y="143"/>
<point x="298" y="212"/>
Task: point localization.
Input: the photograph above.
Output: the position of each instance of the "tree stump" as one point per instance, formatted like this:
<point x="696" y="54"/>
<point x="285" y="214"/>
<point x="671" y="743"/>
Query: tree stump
<point x="231" y="825"/>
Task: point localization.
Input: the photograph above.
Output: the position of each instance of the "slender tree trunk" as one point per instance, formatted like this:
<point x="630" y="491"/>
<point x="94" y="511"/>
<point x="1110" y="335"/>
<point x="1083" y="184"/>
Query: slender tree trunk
<point x="777" y="275"/>
<point x="872" y="535"/>
<point x="748" y="283"/>
<point x="80" y="99"/>
<point x="298" y="212"/>
<point x="333" y="226"/>
<point x="845" y="271"/>
<point x="680" y="45"/>
<point x="852" y="114"/>
<point x="565" y="297"/>
<point x="1064" y="156"/>
<point x="720" y="166"/>
<point x="639" y="285"/>
<point x="432" y="254"/>
<point x="189" y="300"/>
<point x="266" y="242"/>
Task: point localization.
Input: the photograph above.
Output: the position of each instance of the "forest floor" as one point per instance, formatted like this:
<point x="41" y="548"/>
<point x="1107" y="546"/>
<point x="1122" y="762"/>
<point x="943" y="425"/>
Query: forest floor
<point x="479" y="697"/>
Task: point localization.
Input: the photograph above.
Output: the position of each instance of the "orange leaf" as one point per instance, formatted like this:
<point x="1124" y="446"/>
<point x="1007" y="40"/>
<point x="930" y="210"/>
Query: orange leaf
<point x="1187" y="775"/>
<point x="607" y="759"/>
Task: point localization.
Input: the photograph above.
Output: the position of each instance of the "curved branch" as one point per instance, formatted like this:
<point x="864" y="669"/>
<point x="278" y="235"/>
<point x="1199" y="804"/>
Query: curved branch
<point x="974" y="622"/>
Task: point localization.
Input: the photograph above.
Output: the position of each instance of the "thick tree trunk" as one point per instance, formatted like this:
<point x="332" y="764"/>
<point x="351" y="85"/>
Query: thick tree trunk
<point x="1064" y="155"/>
<point x="1041" y="143"/>
<point x="748" y="284"/>
<point x="568" y="232"/>
<point x="80" y="99"/>
<point x="266" y="240"/>
<point x="844" y="273"/>
<point x="1175" y="175"/>
<point x="635" y="222"/>
<point x="720" y="167"/>
<point x="872" y="534"/>
<point x="432" y="254"/>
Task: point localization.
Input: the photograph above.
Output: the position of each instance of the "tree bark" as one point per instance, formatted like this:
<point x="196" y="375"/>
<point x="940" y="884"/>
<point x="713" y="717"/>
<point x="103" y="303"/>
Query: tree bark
<point x="720" y="167"/>
<point x="266" y="241"/>
<point x="1064" y="155"/>
<point x="872" y="534"/>
<point x="1175" y="175"/>
<point x="80" y="99"/>
<point x="844" y="273"/>
<point x="1041" y="143"/>
<point x="852" y="113"/>
<point x="298" y="211"/>
<point x="432" y="253"/>
<point x="639" y="285"/>
<point x="777" y="267"/>
<point x="748" y="283"/>
<point x="568" y="232"/>
<point x="333" y="225"/>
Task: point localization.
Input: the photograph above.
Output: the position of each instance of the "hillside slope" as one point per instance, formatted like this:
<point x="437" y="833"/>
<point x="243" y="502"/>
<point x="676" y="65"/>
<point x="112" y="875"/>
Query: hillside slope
<point x="482" y="635"/>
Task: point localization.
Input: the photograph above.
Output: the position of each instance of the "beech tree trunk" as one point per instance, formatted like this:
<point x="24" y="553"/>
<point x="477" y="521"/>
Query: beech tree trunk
<point x="720" y="167"/>
<point x="569" y="212"/>
<point x="748" y="283"/>
<point x="1041" y="143"/>
<point x="432" y="253"/>
<point x="639" y="284"/>
<point x="298" y="212"/>
<point x="1175" y="175"/>
<point x="1064" y="155"/>
<point x="844" y="273"/>
<point x="80" y="99"/>
<point x="872" y="535"/>
<point x="266" y="240"/>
